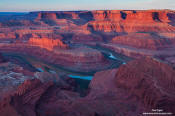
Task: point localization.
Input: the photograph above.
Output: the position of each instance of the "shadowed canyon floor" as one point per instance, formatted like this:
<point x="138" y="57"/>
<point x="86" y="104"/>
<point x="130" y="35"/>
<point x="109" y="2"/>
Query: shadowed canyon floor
<point x="87" y="63"/>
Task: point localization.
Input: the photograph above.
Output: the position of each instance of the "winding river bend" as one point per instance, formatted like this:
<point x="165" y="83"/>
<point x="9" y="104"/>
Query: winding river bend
<point x="37" y="65"/>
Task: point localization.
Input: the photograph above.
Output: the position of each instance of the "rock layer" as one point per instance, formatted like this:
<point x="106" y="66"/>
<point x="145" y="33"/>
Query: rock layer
<point x="124" y="91"/>
<point x="46" y="43"/>
<point x="142" y="40"/>
<point x="119" y="27"/>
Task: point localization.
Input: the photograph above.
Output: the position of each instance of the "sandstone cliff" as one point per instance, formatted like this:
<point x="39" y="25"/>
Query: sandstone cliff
<point x="47" y="43"/>
<point x="134" y="88"/>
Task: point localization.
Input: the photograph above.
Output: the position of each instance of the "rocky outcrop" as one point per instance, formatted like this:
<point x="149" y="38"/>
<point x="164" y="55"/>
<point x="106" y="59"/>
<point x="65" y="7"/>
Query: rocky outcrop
<point x="47" y="43"/>
<point x="132" y="21"/>
<point x="142" y="40"/>
<point x="11" y="76"/>
<point x="159" y="47"/>
<point x="132" y="15"/>
<point x="30" y="95"/>
<point x="134" y="88"/>
<point x="46" y="15"/>
<point x="150" y="81"/>
<point x="116" y="15"/>
<point x="145" y="81"/>
<point x="24" y="100"/>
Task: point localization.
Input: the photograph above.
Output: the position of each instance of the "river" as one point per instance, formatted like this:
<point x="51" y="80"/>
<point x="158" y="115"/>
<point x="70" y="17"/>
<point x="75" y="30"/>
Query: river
<point x="37" y="65"/>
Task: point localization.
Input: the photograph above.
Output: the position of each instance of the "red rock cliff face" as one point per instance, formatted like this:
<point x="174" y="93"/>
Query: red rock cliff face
<point x="141" y="40"/>
<point x="46" y="15"/>
<point x="146" y="82"/>
<point x="141" y="16"/>
<point x="47" y="43"/>
<point x="132" y="21"/>
<point x="150" y="81"/>
<point x="106" y="21"/>
<point x="27" y="96"/>
<point x="117" y="15"/>
<point x="57" y="15"/>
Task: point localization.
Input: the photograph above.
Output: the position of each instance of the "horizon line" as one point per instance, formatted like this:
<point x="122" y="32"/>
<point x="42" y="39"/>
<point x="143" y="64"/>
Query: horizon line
<point x="81" y="10"/>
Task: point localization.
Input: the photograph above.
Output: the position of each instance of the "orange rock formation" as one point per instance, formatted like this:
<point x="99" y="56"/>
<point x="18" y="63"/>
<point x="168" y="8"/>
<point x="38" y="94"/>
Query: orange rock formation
<point x="47" y="43"/>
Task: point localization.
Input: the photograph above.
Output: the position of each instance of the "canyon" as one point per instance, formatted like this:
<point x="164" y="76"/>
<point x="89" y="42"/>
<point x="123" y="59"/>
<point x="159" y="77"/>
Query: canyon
<point x="122" y="31"/>
<point x="128" y="91"/>
<point x="87" y="63"/>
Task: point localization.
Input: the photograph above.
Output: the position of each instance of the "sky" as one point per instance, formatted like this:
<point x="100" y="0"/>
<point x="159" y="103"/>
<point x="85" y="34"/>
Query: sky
<point x="69" y="5"/>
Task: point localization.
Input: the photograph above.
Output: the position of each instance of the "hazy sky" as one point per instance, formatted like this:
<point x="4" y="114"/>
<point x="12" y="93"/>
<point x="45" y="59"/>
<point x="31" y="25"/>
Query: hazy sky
<point x="38" y="5"/>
